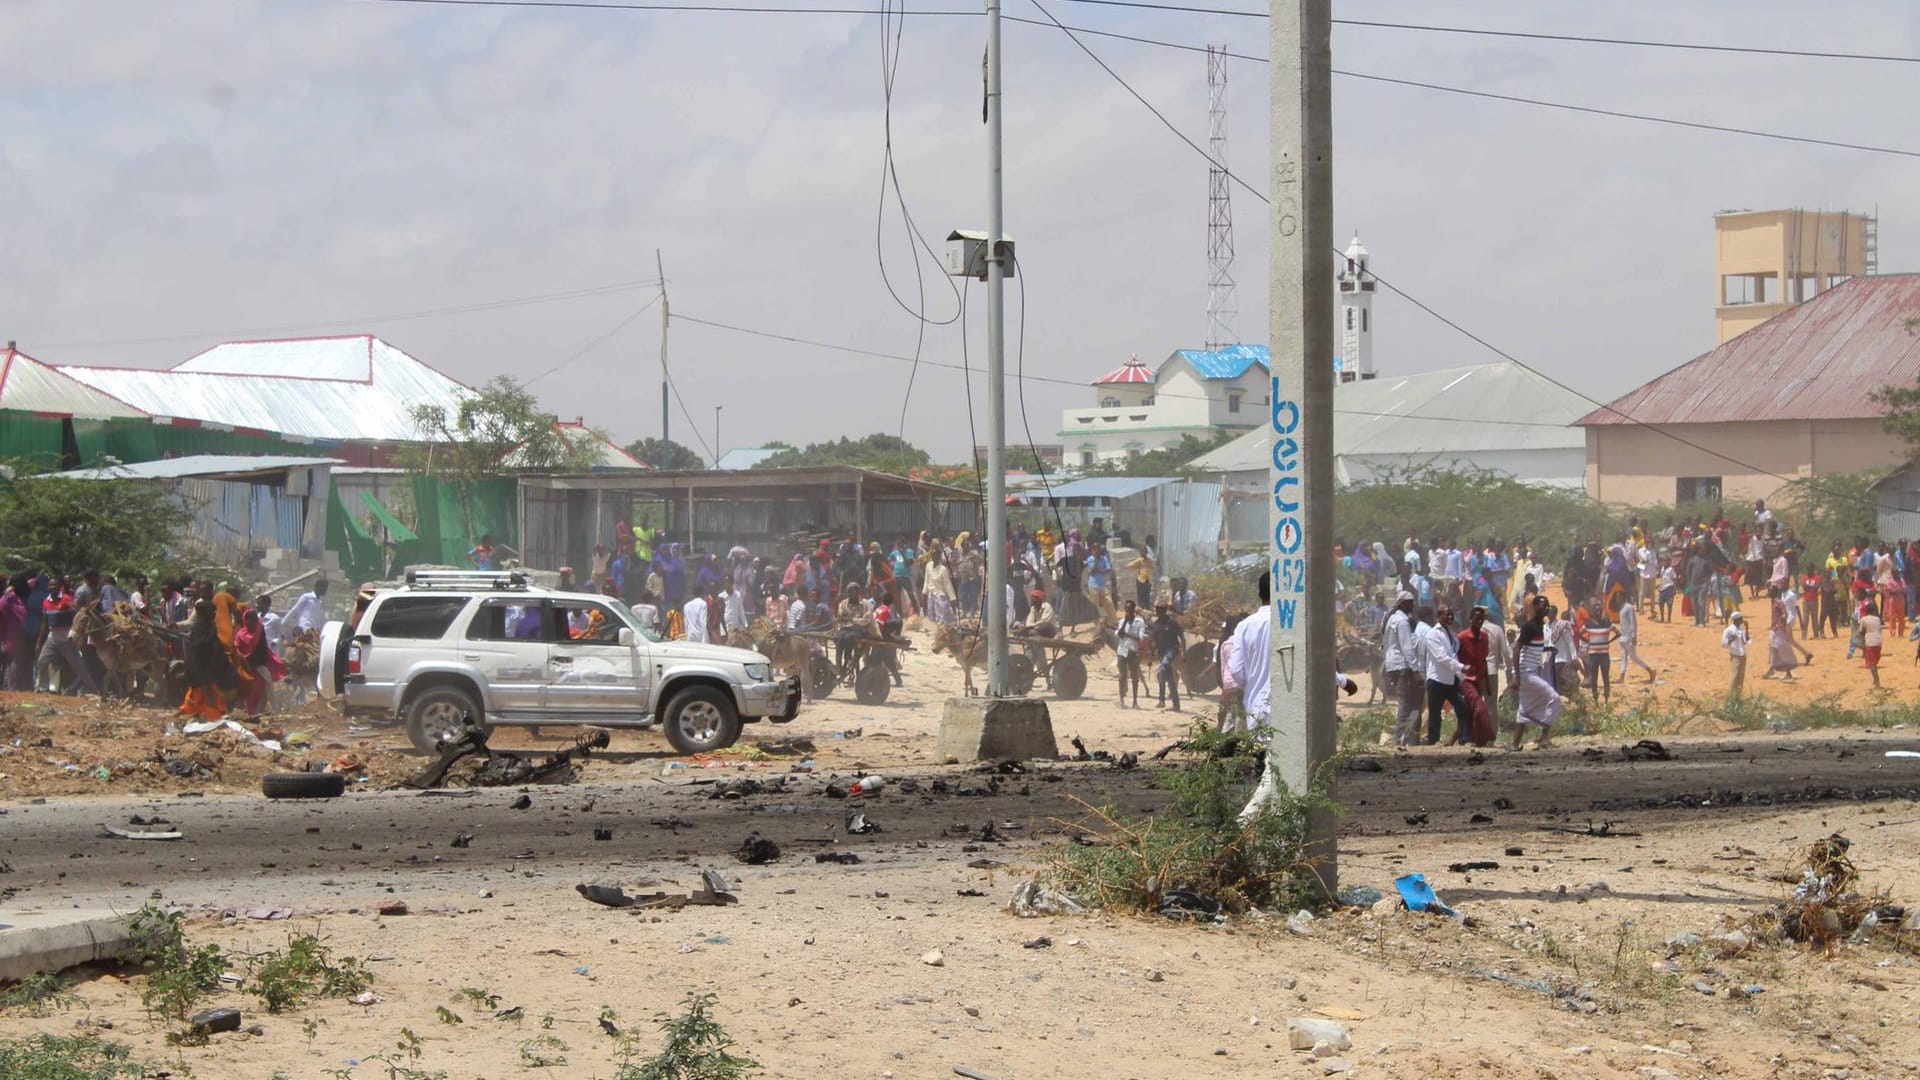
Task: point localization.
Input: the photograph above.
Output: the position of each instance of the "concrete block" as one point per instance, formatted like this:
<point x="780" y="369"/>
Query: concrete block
<point x="34" y="942"/>
<point x="994" y="729"/>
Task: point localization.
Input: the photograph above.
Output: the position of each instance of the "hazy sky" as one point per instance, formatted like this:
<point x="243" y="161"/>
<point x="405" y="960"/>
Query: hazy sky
<point x="212" y="167"/>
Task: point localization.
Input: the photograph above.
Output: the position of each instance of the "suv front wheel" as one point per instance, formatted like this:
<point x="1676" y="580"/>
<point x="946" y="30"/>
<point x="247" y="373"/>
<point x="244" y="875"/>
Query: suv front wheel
<point x="700" y="720"/>
<point x="443" y="713"/>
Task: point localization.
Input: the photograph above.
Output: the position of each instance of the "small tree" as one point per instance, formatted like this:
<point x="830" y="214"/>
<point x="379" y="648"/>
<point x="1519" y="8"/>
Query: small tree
<point x="1902" y="405"/>
<point x="665" y="454"/>
<point x="1167" y="461"/>
<point x="68" y="525"/>
<point x="879" y="451"/>
<point x="501" y="429"/>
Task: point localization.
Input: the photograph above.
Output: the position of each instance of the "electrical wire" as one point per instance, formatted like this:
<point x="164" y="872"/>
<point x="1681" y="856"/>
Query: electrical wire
<point x="595" y="343"/>
<point x="1637" y="43"/>
<point x="428" y="313"/>
<point x="1800" y="482"/>
<point x="966" y="367"/>
<point x="692" y="424"/>
<point x="1020" y="384"/>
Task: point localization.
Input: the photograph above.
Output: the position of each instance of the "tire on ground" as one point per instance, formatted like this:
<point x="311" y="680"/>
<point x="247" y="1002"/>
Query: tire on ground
<point x="427" y="716"/>
<point x="303" y="785"/>
<point x="700" y="720"/>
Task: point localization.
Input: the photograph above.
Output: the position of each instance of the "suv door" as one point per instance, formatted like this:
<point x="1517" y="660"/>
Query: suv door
<point x="506" y="642"/>
<point x="589" y="670"/>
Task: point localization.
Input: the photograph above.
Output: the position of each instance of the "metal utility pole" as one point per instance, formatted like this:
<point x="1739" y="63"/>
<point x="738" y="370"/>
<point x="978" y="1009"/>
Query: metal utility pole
<point x="716" y="435"/>
<point x="996" y="380"/>
<point x="1221" y="307"/>
<point x="1300" y="466"/>
<point x="660" y="266"/>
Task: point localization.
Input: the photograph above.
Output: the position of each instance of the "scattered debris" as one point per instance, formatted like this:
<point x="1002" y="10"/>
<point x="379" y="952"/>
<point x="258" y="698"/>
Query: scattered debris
<point x="1646" y="750"/>
<point x="858" y="825"/>
<point x="521" y="803"/>
<point x="505" y="769"/>
<point x="1364" y="764"/>
<point x="1300" y="923"/>
<point x="128" y="834"/>
<point x="1417" y="819"/>
<point x="1041" y="942"/>
<point x="1515" y="853"/>
<point x="602" y="834"/>
<point x="605" y="895"/>
<point x="1605" y="828"/>
<point x="1359" y="896"/>
<point x="1503" y="803"/>
<point x="392" y="907"/>
<point x="844" y="858"/>
<point x="1419" y="896"/>
<point x="1469" y="867"/>
<point x="757" y="850"/>
<point x="1305" y="1031"/>
<point x="933" y="958"/>
<point x="867" y="785"/>
<point x="215" y="1021"/>
<point x="461" y="840"/>
<point x="1032" y="900"/>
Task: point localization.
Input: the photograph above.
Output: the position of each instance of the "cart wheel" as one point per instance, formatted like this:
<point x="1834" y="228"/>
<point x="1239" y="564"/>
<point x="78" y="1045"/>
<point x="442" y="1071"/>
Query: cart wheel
<point x="873" y="684"/>
<point x="1069" y="678"/>
<point x="1197" y="667"/>
<point x="821" y="677"/>
<point x="1020" y="674"/>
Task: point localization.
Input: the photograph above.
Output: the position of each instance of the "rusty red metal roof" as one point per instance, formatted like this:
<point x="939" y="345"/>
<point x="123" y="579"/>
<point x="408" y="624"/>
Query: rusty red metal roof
<point x="1820" y="360"/>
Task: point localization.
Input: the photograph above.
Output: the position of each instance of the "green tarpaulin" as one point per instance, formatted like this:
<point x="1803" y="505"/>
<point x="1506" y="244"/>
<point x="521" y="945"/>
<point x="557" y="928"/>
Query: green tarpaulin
<point x="395" y="527"/>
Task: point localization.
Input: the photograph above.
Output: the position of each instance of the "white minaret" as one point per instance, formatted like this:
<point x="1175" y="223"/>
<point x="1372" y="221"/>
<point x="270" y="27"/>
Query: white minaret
<point x="1356" y="284"/>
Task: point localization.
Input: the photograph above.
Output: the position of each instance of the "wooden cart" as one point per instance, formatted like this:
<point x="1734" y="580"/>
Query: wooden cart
<point x="870" y="677"/>
<point x="1066" y="670"/>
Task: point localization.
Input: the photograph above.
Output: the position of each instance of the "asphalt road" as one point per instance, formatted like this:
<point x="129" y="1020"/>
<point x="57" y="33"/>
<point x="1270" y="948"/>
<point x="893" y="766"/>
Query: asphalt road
<point x="250" y="851"/>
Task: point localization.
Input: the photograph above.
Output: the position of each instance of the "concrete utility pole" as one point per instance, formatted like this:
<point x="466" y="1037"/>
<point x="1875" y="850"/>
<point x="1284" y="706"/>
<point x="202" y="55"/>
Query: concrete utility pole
<point x="661" y="266"/>
<point x="1301" y="463"/>
<point x="996" y="380"/>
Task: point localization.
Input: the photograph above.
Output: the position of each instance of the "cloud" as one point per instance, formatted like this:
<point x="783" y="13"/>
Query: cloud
<point x="214" y="164"/>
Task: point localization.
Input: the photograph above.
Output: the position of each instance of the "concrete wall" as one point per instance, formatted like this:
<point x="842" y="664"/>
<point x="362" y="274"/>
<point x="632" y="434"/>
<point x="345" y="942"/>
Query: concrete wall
<point x="1632" y="464"/>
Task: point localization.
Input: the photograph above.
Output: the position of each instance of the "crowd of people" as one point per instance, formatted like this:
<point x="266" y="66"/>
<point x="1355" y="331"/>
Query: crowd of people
<point x="55" y="629"/>
<point x="1057" y="579"/>
<point x="1698" y="569"/>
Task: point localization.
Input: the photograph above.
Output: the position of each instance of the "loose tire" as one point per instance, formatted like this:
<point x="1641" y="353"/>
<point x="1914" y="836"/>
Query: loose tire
<point x="822" y="677"/>
<point x="1020" y="674"/>
<point x="873" y="684"/>
<point x="1197" y="667"/>
<point x="443" y="712"/>
<point x="303" y="785"/>
<point x="700" y="720"/>
<point x="1069" y="678"/>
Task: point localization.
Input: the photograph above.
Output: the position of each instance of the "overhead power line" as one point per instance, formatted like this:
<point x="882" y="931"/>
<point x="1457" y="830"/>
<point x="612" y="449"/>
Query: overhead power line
<point x="1470" y="335"/>
<point x="596" y="342"/>
<point x="290" y="328"/>
<point x="1373" y="24"/>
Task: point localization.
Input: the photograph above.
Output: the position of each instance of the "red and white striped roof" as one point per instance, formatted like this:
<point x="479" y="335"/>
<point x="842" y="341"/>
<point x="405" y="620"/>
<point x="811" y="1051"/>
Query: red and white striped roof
<point x="1133" y="371"/>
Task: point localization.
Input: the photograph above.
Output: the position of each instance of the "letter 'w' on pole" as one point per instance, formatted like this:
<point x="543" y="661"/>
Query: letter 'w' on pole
<point x="1301" y="407"/>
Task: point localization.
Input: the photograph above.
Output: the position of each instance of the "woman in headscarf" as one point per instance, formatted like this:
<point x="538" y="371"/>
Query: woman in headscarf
<point x="673" y="576"/>
<point x="707" y="577"/>
<point x="739" y="587"/>
<point x="208" y="672"/>
<point x="939" y="590"/>
<point x="1073" y="607"/>
<point x="228" y="616"/>
<point x="250" y="641"/>
<point x="796" y="573"/>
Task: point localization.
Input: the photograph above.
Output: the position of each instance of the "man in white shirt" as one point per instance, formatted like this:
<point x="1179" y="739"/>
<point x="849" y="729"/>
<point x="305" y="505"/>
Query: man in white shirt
<point x="693" y="613"/>
<point x="1629" y="626"/>
<point x="1249" y="666"/>
<point x="1734" y="639"/>
<point x="1402" y="667"/>
<point x="308" y="612"/>
<point x="1440" y="664"/>
<point x="796" y="611"/>
<point x="1126" y="645"/>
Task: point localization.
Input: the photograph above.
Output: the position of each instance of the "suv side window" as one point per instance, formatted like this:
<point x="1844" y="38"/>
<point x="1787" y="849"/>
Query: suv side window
<point x="583" y="621"/>
<point x="420" y="618"/>
<point x="506" y="620"/>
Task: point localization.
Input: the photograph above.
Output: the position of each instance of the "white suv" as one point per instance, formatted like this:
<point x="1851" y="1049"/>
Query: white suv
<point x="455" y="650"/>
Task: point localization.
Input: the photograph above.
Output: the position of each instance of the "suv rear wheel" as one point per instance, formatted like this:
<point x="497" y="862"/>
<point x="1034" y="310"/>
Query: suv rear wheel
<point x="443" y="713"/>
<point x="701" y="720"/>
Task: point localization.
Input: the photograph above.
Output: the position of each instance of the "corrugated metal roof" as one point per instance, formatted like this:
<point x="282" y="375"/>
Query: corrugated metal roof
<point x="746" y="457"/>
<point x="1133" y="371"/>
<point x="1101" y="487"/>
<point x="1227" y="362"/>
<point x="199" y="465"/>
<point x="27" y="385"/>
<point x="612" y="457"/>
<point x="1817" y="361"/>
<point x="1464" y="410"/>
<point x="349" y="389"/>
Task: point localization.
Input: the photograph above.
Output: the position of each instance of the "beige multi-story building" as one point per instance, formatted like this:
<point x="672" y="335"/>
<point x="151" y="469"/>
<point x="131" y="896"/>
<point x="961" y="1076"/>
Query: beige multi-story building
<point x="1766" y="261"/>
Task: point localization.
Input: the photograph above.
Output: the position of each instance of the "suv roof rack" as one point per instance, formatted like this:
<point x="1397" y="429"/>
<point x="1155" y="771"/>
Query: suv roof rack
<point x="466" y="579"/>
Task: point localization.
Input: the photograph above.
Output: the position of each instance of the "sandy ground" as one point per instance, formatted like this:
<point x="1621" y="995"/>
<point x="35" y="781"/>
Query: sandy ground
<point x="820" y="966"/>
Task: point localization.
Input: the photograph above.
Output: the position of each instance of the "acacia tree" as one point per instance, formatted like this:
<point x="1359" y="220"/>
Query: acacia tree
<point x="499" y="430"/>
<point x="880" y="452"/>
<point x="67" y="525"/>
<point x="664" y="454"/>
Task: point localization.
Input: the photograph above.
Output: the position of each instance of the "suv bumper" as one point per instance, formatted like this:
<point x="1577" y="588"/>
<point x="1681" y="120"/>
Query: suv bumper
<point x="778" y="701"/>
